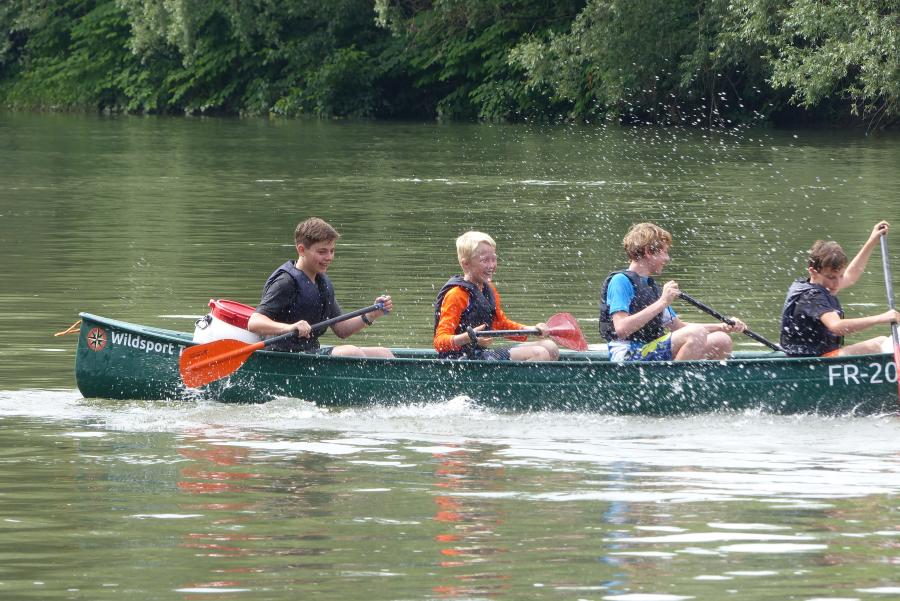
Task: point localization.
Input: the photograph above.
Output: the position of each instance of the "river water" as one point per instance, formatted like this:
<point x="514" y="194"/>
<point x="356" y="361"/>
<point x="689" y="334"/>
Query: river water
<point x="146" y="219"/>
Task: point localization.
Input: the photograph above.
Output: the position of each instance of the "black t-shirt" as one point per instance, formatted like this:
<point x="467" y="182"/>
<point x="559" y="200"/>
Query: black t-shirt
<point x="802" y="330"/>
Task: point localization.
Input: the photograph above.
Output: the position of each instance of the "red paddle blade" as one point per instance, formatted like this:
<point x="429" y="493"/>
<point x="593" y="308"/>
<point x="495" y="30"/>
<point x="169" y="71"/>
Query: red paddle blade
<point x="564" y="331"/>
<point x="205" y="363"/>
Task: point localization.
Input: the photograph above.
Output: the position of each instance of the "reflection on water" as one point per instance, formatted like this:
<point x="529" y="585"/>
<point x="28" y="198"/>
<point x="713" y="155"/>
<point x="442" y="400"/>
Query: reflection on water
<point x="440" y="501"/>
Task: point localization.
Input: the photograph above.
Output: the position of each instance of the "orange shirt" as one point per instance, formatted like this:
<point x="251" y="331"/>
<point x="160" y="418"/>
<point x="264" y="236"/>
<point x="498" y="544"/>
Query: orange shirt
<point x="455" y="302"/>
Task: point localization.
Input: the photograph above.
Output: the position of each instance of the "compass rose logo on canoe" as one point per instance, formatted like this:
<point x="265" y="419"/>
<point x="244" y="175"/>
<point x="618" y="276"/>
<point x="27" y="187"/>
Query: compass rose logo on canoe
<point x="97" y="339"/>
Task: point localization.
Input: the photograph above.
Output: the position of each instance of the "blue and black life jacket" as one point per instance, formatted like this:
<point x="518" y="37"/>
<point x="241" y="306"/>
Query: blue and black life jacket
<point x="481" y="310"/>
<point x="645" y="294"/>
<point x="803" y="334"/>
<point x="314" y="302"/>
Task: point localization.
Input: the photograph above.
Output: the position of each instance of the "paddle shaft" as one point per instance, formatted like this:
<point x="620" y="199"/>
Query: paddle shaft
<point x="499" y="333"/>
<point x="326" y="323"/>
<point x="691" y="300"/>
<point x="889" y="288"/>
<point x="563" y="330"/>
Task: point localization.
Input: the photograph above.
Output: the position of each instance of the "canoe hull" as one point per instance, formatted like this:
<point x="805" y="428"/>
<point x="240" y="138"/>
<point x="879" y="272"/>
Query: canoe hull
<point x="118" y="360"/>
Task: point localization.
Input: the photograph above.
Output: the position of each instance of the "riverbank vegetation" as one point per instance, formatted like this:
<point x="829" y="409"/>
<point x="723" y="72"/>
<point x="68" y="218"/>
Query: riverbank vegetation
<point x="688" y="62"/>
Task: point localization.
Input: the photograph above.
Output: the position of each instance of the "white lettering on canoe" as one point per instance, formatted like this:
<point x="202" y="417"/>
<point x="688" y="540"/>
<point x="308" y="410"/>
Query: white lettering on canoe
<point x="148" y="346"/>
<point x="874" y="373"/>
<point x="850" y="373"/>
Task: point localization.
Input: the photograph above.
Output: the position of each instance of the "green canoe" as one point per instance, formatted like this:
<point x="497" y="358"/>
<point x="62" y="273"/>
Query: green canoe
<point x="119" y="360"/>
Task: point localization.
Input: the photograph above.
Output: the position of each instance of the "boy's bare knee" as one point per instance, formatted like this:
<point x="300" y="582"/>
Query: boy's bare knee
<point x="718" y="345"/>
<point x="540" y="353"/>
<point x="347" y="350"/>
<point x="530" y="352"/>
<point x="720" y="340"/>
<point x="552" y="349"/>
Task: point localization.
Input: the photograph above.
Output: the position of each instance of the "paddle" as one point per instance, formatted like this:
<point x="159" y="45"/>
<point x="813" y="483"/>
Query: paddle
<point x="564" y="331"/>
<point x="205" y="363"/>
<point x="691" y="300"/>
<point x="889" y="286"/>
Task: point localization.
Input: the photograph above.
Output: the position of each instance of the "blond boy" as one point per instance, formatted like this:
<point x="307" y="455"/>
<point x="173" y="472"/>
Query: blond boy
<point x="472" y="301"/>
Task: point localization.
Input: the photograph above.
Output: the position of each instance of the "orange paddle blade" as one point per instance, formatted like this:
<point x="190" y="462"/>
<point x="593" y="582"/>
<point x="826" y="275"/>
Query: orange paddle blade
<point x="564" y="331"/>
<point x="205" y="363"/>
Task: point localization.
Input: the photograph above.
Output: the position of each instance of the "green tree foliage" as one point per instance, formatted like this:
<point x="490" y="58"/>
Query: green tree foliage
<point x="840" y="55"/>
<point x="72" y="54"/>
<point x="257" y="56"/>
<point x="459" y="52"/>
<point x="198" y="56"/>
<point x="693" y="62"/>
<point x="717" y="61"/>
<point x="656" y="60"/>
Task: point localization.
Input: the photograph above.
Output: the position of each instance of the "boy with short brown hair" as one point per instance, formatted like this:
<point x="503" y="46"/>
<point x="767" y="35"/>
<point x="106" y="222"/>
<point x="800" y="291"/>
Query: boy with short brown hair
<point x="299" y="293"/>
<point x="635" y="313"/>
<point x="812" y="320"/>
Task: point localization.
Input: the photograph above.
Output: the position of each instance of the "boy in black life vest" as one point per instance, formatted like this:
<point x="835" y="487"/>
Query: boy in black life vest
<point x="299" y="293"/>
<point x="812" y="321"/>
<point x="472" y="301"/>
<point x="635" y="313"/>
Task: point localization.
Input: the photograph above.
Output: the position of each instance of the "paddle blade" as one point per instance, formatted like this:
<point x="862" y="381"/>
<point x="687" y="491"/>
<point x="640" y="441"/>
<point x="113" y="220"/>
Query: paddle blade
<point x="564" y="331"/>
<point x="199" y="365"/>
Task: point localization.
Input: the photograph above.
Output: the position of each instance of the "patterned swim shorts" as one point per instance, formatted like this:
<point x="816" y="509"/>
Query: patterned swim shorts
<point x="655" y="350"/>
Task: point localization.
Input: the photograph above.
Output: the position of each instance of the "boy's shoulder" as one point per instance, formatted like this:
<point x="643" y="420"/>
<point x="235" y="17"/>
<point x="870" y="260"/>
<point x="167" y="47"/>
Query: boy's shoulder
<point x="803" y="287"/>
<point x="621" y="275"/>
<point x="811" y="298"/>
<point x="622" y="280"/>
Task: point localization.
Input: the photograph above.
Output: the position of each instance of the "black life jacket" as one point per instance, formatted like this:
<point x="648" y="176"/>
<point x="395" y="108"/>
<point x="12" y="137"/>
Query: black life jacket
<point x="481" y="310"/>
<point x="314" y="302"/>
<point x="803" y="334"/>
<point x="645" y="294"/>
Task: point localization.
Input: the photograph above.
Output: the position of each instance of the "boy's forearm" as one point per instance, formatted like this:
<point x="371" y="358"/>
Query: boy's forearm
<point x="262" y="325"/>
<point x="345" y="329"/>
<point x="858" y="264"/>
<point x="627" y="326"/>
<point x="846" y="327"/>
